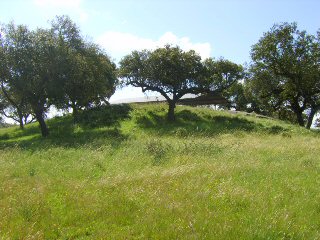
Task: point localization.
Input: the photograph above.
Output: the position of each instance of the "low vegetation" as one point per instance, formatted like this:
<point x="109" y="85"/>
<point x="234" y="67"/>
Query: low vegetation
<point x="132" y="175"/>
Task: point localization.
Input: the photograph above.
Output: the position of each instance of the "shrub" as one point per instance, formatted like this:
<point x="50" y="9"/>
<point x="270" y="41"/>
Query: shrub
<point x="158" y="150"/>
<point x="276" y="130"/>
<point x="103" y="115"/>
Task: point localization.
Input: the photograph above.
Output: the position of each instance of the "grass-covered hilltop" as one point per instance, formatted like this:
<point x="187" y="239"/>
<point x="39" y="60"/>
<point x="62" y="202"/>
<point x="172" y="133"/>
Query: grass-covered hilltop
<point x="125" y="172"/>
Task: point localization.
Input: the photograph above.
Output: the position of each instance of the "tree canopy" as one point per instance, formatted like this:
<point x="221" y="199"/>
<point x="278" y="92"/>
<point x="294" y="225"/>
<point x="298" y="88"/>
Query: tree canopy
<point x="174" y="73"/>
<point x="286" y="70"/>
<point x="52" y="66"/>
<point x="88" y="75"/>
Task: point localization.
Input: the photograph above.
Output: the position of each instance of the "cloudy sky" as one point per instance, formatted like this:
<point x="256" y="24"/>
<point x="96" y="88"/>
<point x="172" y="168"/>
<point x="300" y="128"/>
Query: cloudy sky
<point x="213" y="28"/>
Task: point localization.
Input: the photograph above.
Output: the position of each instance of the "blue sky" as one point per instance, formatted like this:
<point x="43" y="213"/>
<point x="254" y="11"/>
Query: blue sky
<point x="215" y="28"/>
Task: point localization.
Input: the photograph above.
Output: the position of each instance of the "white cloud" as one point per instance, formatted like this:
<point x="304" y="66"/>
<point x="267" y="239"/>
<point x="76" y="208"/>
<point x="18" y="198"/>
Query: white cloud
<point x="118" y="44"/>
<point x="63" y="6"/>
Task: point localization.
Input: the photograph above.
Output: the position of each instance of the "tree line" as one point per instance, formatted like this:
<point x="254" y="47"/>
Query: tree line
<point x="59" y="67"/>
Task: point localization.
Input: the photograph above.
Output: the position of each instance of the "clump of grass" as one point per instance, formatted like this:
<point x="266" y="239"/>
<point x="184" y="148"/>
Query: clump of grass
<point x="158" y="150"/>
<point x="276" y="129"/>
<point x="181" y="132"/>
<point x="32" y="172"/>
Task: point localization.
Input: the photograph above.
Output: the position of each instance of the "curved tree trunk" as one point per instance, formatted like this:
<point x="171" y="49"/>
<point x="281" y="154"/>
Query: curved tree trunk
<point x="299" y="116"/>
<point x="42" y="123"/>
<point x="75" y="112"/>
<point x="172" y="106"/>
<point x="298" y="109"/>
<point x="300" y="119"/>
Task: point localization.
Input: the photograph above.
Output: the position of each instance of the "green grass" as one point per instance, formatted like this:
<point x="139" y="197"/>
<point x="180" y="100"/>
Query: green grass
<point x="210" y="175"/>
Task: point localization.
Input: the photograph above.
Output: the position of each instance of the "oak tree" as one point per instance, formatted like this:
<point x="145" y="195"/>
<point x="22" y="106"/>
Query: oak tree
<point x="174" y="73"/>
<point x="291" y="59"/>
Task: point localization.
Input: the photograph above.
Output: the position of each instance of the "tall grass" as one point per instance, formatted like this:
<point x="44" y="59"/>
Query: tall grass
<point x="210" y="175"/>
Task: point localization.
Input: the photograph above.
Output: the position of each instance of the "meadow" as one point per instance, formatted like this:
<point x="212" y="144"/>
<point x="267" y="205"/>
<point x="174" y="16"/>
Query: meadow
<point x="124" y="172"/>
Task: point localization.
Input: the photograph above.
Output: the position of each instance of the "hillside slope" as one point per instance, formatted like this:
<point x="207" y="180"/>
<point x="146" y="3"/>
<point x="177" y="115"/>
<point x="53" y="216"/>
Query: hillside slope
<point x="125" y="173"/>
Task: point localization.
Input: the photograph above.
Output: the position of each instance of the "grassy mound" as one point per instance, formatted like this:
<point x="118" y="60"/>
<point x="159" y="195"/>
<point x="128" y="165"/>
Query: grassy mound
<point x="126" y="173"/>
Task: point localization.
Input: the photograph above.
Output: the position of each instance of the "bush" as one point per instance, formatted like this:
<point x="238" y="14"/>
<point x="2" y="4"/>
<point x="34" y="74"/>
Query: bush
<point x="103" y="115"/>
<point x="276" y="130"/>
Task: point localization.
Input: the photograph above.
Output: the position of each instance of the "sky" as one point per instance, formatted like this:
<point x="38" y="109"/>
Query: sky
<point x="213" y="28"/>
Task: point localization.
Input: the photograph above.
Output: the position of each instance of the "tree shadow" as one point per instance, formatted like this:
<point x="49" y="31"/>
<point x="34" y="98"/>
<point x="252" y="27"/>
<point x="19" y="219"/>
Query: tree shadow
<point x="89" y="138"/>
<point x="189" y="123"/>
<point x="102" y="128"/>
<point x="103" y="116"/>
<point x="29" y="129"/>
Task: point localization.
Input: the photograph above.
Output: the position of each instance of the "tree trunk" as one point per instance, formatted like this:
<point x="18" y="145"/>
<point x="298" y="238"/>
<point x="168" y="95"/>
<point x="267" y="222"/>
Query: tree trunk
<point x="172" y="106"/>
<point x="75" y="112"/>
<point x="298" y="110"/>
<point x="300" y="118"/>
<point x="21" y="121"/>
<point x="310" y="117"/>
<point x="42" y="123"/>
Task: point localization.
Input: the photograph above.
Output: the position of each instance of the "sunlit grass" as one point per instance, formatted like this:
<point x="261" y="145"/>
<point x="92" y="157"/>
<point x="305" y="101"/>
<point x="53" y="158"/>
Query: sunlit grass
<point x="210" y="175"/>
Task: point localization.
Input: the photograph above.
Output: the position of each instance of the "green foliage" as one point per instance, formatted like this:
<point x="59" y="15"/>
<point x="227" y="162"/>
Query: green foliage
<point x="103" y="116"/>
<point x="174" y="73"/>
<point x="51" y="66"/>
<point x="237" y="97"/>
<point x="285" y="73"/>
<point x="19" y="86"/>
<point x="165" y="69"/>
<point x="87" y="74"/>
<point x="221" y="74"/>
<point x="13" y="106"/>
